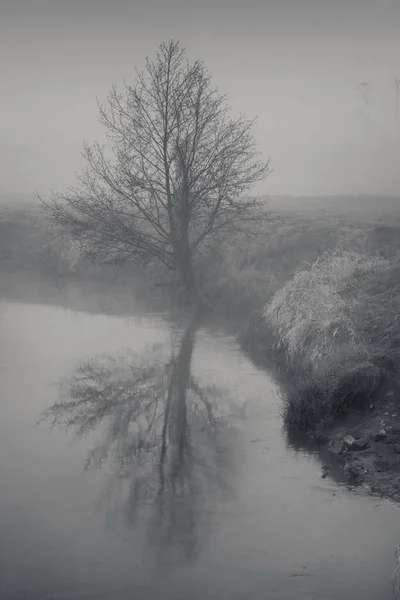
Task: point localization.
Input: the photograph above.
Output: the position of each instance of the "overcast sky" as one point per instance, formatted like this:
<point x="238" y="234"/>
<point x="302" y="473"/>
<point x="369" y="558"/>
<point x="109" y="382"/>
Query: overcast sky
<point x="295" y="64"/>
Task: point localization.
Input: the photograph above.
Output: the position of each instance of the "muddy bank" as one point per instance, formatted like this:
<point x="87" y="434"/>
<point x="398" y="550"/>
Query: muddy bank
<point x="361" y="448"/>
<point x="366" y="444"/>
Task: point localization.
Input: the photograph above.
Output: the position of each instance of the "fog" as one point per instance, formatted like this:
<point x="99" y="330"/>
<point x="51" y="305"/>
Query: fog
<point x="296" y="64"/>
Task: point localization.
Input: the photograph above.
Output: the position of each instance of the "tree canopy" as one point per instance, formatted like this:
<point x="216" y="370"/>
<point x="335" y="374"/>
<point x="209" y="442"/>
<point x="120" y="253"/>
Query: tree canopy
<point x="179" y="170"/>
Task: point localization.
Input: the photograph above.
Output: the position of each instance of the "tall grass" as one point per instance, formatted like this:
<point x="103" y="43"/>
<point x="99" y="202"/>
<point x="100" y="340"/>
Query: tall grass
<point x="337" y="324"/>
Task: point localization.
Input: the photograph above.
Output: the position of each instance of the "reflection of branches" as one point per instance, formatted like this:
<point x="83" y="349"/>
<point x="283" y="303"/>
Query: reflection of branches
<point x="162" y="432"/>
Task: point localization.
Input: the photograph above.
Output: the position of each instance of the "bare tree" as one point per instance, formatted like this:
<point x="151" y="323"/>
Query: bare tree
<point x="180" y="170"/>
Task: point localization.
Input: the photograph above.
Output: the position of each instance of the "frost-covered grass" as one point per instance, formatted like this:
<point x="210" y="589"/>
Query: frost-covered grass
<point x="337" y="325"/>
<point x="317" y="298"/>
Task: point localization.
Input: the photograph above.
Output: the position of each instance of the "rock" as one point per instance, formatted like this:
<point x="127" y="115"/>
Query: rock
<point x="353" y="470"/>
<point x="381" y="435"/>
<point x="348" y="443"/>
<point x="391" y="393"/>
<point x="361" y="443"/>
<point x="324" y="474"/>
<point x="396" y="448"/>
<point x="335" y="446"/>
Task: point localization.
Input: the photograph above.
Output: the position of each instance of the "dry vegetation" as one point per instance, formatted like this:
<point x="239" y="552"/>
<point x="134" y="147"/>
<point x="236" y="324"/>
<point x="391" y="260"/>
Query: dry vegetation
<point x="324" y="296"/>
<point x="336" y="323"/>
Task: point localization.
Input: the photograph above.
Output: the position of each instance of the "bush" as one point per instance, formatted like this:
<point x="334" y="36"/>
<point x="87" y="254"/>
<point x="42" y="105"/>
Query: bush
<point x="337" y="325"/>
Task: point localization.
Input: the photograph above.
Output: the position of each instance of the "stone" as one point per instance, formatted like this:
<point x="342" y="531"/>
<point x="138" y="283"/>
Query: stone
<point x="361" y="443"/>
<point x="353" y="470"/>
<point x="381" y="435"/>
<point x="335" y="446"/>
<point x="348" y="442"/>
<point x="396" y="448"/>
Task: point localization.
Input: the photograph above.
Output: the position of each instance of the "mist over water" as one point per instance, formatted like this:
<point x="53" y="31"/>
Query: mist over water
<point x="199" y="499"/>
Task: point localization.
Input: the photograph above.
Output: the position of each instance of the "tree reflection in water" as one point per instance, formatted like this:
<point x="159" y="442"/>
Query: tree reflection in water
<point x="163" y="433"/>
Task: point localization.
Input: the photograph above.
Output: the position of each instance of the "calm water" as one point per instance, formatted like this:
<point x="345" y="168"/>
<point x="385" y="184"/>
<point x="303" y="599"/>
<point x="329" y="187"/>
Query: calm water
<point x="246" y="517"/>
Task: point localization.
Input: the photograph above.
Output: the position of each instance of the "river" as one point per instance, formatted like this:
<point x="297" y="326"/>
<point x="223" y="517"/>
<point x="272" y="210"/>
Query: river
<point x="246" y="517"/>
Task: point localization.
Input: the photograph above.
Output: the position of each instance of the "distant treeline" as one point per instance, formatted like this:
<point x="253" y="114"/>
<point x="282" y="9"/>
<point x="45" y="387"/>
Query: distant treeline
<point x="29" y="243"/>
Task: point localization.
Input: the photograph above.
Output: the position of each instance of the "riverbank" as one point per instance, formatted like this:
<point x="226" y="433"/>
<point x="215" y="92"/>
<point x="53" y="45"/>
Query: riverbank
<point x="313" y="297"/>
<point x="360" y="447"/>
<point x="242" y="524"/>
<point x="324" y="319"/>
<point x="368" y="445"/>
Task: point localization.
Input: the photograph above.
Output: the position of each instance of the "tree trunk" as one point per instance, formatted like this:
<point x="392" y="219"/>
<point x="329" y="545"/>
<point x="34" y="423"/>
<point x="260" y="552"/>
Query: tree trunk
<point x="183" y="257"/>
<point x="175" y="427"/>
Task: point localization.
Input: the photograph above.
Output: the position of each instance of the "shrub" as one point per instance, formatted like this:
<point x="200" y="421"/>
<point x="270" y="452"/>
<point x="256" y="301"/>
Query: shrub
<point x="323" y="321"/>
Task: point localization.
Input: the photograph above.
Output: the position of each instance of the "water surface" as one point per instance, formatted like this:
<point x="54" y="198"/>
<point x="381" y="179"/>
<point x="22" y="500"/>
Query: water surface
<point x="244" y="516"/>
